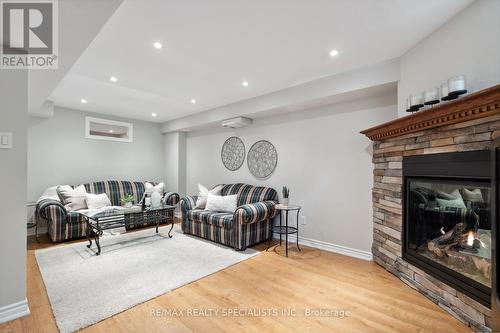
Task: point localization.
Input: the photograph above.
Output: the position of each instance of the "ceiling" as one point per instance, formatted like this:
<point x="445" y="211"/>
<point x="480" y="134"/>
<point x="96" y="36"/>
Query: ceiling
<point x="210" y="47"/>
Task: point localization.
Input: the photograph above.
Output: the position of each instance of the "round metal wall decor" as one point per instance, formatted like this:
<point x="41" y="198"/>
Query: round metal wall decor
<point x="233" y="153"/>
<point x="262" y="159"/>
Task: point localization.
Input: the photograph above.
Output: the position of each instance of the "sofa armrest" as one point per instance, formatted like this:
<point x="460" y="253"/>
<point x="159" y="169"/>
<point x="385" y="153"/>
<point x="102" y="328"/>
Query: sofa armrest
<point x="171" y="198"/>
<point x="188" y="203"/>
<point x="50" y="209"/>
<point x="255" y="212"/>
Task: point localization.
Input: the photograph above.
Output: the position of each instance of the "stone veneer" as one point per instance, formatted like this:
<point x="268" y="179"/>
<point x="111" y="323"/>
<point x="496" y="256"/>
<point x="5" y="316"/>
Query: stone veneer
<point x="387" y="209"/>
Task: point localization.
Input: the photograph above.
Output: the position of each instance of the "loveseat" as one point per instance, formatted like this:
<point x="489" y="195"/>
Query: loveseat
<point x="248" y="225"/>
<point x="63" y="225"/>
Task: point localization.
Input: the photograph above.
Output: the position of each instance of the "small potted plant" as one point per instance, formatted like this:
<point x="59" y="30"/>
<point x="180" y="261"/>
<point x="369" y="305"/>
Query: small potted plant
<point x="127" y="200"/>
<point x="286" y="196"/>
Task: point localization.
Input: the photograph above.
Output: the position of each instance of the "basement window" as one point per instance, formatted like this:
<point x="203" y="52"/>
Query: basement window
<point x="109" y="130"/>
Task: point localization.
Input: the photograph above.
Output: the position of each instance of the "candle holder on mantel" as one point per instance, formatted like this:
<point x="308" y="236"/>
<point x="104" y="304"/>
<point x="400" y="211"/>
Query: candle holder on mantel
<point x="445" y="93"/>
<point x="456" y="85"/>
<point x="431" y="96"/>
<point x="453" y="88"/>
<point x="414" y="102"/>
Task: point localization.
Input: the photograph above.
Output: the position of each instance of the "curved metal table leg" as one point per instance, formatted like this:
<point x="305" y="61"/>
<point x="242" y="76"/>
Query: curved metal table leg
<point x="88" y="232"/>
<point x="97" y="234"/>
<point x="171" y="226"/>
<point x="298" y="211"/>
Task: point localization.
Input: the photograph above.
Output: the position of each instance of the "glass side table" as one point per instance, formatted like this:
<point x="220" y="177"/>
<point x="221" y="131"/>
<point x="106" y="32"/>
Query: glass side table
<point x="286" y="229"/>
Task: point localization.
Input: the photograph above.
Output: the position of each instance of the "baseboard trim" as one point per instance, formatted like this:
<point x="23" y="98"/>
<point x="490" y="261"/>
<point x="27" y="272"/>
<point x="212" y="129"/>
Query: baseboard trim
<point x="14" y="311"/>
<point x="347" y="251"/>
<point x="41" y="231"/>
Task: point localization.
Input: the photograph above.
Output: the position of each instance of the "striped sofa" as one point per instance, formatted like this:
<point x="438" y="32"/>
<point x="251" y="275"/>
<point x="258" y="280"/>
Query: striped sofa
<point x="250" y="224"/>
<point x="63" y="225"/>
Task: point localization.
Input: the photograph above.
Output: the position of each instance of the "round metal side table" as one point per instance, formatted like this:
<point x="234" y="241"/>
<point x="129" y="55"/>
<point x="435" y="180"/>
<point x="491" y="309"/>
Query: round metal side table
<point x="286" y="229"/>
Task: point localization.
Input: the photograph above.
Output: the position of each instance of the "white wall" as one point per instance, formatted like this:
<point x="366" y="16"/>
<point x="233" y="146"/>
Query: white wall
<point x="321" y="157"/>
<point x="58" y="153"/>
<point x="467" y="44"/>
<point x="13" y="118"/>
<point x="175" y="161"/>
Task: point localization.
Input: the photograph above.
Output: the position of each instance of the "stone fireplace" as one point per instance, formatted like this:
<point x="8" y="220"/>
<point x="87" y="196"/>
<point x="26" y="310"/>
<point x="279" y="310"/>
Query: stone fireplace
<point x="424" y="231"/>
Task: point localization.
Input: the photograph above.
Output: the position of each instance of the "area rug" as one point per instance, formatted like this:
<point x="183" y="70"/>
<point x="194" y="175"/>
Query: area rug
<point x="84" y="289"/>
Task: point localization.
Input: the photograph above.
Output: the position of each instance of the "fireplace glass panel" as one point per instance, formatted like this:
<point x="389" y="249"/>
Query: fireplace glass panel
<point x="449" y="224"/>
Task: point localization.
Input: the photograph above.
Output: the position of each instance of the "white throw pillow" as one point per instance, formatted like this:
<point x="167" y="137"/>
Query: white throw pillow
<point x="72" y="199"/>
<point x="97" y="201"/>
<point x="219" y="203"/>
<point x="203" y="193"/>
<point x="149" y="188"/>
<point x="473" y="196"/>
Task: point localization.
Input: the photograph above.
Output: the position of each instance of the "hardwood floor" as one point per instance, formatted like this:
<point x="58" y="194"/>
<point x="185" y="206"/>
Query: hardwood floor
<point x="374" y="300"/>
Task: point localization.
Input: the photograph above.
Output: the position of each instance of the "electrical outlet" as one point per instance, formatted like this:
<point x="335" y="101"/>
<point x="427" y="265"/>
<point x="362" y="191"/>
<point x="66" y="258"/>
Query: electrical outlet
<point x="302" y="220"/>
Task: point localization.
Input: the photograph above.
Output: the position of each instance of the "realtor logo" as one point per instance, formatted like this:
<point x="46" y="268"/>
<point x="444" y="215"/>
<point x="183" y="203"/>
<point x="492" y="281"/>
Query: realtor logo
<point x="29" y="34"/>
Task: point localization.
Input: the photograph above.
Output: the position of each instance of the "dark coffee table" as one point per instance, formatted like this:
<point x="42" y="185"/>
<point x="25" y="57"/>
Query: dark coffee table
<point x="127" y="217"/>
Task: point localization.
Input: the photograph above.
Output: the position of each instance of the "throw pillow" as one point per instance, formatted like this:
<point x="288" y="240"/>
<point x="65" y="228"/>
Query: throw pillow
<point x="473" y="196"/>
<point x="203" y="193"/>
<point x="451" y="200"/>
<point x="96" y="201"/>
<point x="448" y="196"/>
<point x="72" y="199"/>
<point x="219" y="203"/>
<point x="150" y="188"/>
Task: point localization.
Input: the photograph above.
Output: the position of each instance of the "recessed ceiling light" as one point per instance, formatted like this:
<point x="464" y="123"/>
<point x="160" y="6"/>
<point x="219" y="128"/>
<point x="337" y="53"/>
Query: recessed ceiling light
<point x="113" y="79"/>
<point x="157" y="45"/>
<point x="153" y="114"/>
<point x="83" y="101"/>
<point x="244" y="83"/>
<point x="334" y="53"/>
<point x="111" y="131"/>
<point x="193" y="101"/>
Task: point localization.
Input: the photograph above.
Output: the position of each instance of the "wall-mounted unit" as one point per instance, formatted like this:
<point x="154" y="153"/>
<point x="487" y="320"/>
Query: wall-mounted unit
<point x="237" y="122"/>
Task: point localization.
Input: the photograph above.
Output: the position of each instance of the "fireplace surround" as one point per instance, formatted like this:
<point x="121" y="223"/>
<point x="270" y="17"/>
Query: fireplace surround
<point x="469" y="124"/>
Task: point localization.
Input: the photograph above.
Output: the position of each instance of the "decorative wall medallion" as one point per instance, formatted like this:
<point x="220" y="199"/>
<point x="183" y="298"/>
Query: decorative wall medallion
<point x="233" y="153"/>
<point x="262" y="159"/>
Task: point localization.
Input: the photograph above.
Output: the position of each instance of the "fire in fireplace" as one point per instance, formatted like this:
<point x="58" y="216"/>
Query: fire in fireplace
<point x="447" y="229"/>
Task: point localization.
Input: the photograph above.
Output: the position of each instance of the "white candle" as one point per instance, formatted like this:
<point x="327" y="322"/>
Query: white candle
<point x="416" y="99"/>
<point x="444" y="89"/>
<point x="456" y="84"/>
<point x="431" y="95"/>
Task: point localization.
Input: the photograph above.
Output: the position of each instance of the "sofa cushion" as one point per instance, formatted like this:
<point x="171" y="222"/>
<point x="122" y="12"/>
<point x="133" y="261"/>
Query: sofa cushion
<point x="223" y="220"/>
<point x="115" y="190"/>
<point x="248" y="194"/>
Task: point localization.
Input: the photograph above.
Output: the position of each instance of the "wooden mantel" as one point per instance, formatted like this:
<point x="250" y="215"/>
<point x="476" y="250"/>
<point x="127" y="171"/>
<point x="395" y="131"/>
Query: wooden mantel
<point x="480" y="104"/>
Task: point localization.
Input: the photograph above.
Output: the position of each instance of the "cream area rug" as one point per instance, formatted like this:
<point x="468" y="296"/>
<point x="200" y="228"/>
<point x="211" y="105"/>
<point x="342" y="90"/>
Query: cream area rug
<point x="133" y="267"/>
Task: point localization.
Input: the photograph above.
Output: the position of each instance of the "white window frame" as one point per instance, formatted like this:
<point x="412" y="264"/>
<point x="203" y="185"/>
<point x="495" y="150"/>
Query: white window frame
<point x="129" y="126"/>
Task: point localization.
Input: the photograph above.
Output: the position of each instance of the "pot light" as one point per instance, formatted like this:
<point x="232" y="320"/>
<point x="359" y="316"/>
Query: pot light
<point x="157" y="45"/>
<point x="244" y="83"/>
<point x="153" y="114"/>
<point x="83" y="101"/>
<point x="111" y="131"/>
<point x="334" y="53"/>
<point x="113" y="79"/>
<point x="193" y="101"/>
